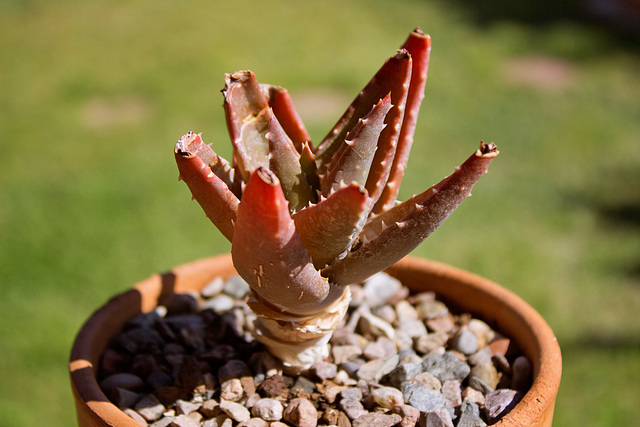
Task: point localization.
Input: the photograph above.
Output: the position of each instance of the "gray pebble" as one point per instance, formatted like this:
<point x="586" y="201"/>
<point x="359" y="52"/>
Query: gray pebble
<point x="477" y="384"/>
<point x="403" y="373"/>
<point x="219" y="303"/>
<point x="446" y="367"/>
<point x="303" y="386"/>
<point x="413" y="328"/>
<point x="351" y="393"/>
<point x="470" y="415"/>
<point x="213" y="288"/>
<point x="465" y="342"/>
<point x="378" y="368"/>
<point x="380" y="288"/>
<point x="422" y="397"/>
<point x="498" y="403"/>
<point x="343" y="353"/>
<point x="236" y="287"/>
<point x="324" y="370"/>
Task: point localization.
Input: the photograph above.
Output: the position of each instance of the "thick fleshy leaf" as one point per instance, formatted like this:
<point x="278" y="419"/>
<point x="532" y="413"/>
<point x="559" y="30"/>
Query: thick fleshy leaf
<point x="247" y="112"/>
<point x="400" y="238"/>
<point x="282" y="105"/>
<point x="268" y="252"/>
<point x="419" y="47"/>
<point x="352" y="162"/>
<point x="391" y="78"/>
<point x="328" y="228"/>
<point x="212" y="193"/>
<point x="284" y="161"/>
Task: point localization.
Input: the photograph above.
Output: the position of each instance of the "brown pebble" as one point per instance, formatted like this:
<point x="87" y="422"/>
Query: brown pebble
<point x="254" y="422"/>
<point x="183" y="421"/>
<point x="409" y="414"/>
<point x="330" y="416"/>
<point x="473" y="395"/>
<point x="300" y="412"/>
<point x="343" y="420"/>
<point x="273" y="386"/>
<point x="377" y="419"/>
<point x="210" y="408"/>
<point x="500" y="346"/>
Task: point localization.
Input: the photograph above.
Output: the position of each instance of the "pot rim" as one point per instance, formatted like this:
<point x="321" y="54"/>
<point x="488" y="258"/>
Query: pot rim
<point x="497" y="306"/>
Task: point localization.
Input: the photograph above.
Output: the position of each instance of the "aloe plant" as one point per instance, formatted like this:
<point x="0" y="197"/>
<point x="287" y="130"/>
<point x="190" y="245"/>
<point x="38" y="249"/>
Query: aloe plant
<point x="305" y="222"/>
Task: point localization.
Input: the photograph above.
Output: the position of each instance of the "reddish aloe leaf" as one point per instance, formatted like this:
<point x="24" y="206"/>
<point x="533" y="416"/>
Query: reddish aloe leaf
<point x="268" y="252"/>
<point x="328" y="228"/>
<point x="284" y="161"/>
<point x="353" y="161"/>
<point x="419" y="47"/>
<point x="376" y="224"/>
<point x="282" y="105"/>
<point x="247" y="112"/>
<point x="387" y="145"/>
<point x="401" y="237"/>
<point x="212" y="193"/>
<point x="389" y="79"/>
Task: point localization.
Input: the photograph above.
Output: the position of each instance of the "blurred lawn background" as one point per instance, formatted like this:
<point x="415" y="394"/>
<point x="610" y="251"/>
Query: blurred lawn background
<point x="93" y="95"/>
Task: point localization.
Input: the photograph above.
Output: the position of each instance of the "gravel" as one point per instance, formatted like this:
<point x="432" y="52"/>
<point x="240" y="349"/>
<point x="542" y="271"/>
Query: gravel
<point x="400" y="360"/>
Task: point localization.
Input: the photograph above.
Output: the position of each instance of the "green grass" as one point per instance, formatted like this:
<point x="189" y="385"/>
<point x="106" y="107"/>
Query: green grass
<point x="94" y="94"/>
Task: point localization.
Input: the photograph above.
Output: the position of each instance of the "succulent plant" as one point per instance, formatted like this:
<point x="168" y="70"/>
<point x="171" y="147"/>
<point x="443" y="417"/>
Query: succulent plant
<point x="306" y="222"/>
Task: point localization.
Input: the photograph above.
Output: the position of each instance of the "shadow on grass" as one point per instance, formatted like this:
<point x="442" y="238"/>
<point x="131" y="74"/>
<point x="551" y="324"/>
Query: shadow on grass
<point x="618" y="18"/>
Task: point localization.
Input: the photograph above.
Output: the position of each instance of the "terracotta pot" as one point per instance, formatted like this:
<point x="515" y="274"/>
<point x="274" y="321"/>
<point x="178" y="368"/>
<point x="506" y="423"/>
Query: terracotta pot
<point x="461" y="290"/>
